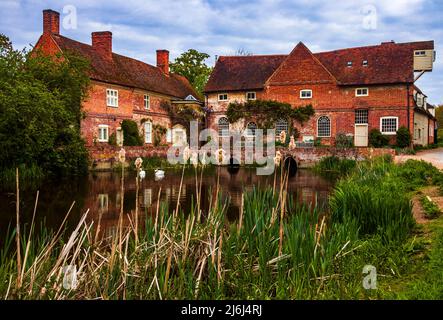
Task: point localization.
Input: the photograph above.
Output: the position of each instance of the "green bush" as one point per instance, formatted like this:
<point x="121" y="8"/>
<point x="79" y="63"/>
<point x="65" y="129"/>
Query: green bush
<point x="377" y="139"/>
<point x="403" y="137"/>
<point x="112" y="139"/>
<point x="40" y="111"/>
<point x="131" y="136"/>
<point x="344" y="141"/>
<point x="418" y="174"/>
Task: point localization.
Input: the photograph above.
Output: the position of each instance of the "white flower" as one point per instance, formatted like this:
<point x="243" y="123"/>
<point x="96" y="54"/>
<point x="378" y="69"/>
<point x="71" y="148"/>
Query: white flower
<point x="122" y="155"/>
<point x="277" y="158"/>
<point x="283" y="136"/>
<point x="138" y="163"/>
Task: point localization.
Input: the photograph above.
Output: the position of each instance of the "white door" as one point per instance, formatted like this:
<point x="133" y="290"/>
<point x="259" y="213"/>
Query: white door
<point x="178" y="136"/>
<point x="119" y="137"/>
<point x="361" y="135"/>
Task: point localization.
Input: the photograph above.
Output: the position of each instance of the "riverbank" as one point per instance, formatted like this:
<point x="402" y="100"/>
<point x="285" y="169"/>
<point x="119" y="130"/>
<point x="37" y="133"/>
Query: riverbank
<point x="275" y="249"/>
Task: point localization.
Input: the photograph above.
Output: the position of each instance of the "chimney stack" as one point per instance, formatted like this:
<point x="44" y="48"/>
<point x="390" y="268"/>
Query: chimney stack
<point x="163" y="61"/>
<point x="51" y="21"/>
<point x="102" y="43"/>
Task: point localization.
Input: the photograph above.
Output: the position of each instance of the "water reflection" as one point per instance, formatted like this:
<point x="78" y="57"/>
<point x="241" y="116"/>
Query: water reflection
<point x="101" y="194"/>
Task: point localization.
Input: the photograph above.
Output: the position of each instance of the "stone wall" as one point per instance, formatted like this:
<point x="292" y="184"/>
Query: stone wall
<point x="105" y="157"/>
<point x="307" y="157"/>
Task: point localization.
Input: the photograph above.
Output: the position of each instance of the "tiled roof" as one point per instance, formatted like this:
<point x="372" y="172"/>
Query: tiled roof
<point x="242" y="72"/>
<point x="388" y="63"/>
<point x="127" y="71"/>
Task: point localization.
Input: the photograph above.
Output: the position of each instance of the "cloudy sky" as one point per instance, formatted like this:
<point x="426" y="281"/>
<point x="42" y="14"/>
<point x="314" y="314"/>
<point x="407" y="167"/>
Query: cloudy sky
<point x="219" y="27"/>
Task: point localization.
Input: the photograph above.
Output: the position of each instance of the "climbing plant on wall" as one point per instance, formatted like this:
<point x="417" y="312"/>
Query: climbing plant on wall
<point x="267" y="112"/>
<point x="131" y="136"/>
<point x="159" y="131"/>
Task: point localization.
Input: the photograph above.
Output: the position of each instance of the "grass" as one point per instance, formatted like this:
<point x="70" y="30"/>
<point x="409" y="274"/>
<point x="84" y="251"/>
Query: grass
<point x="28" y="174"/>
<point x="335" y="166"/>
<point x="430" y="208"/>
<point x="277" y="249"/>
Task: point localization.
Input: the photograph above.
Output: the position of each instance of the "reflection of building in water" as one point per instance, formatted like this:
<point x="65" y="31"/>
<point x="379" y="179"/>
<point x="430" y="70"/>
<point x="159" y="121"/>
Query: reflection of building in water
<point x="118" y="200"/>
<point x="147" y="199"/>
<point x="111" y="231"/>
<point x="308" y="195"/>
<point x="103" y="202"/>
<point x="176" y="191"/>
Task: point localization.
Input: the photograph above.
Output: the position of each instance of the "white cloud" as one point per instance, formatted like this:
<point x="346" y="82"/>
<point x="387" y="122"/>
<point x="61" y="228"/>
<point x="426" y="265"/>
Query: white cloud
<point x="221" y="27"/>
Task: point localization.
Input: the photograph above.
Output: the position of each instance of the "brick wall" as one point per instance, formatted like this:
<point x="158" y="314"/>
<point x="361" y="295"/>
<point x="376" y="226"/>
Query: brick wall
<point x="338" y="103"/>
<point x="130" y="106"/>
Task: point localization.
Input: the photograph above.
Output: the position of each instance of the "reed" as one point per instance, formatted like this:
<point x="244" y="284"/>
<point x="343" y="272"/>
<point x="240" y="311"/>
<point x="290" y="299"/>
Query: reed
<point x="279" y="248"/>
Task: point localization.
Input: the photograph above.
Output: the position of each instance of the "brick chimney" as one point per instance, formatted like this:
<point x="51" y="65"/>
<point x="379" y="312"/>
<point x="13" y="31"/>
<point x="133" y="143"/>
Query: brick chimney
<point x="51" y="21"/>
<point x="102" y="43"/>
<point x="163" y="61"/>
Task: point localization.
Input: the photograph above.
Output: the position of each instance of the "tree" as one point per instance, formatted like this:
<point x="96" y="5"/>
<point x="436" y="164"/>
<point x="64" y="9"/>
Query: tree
<point x="439" y="115"/>
<point x="40" y="99"/>
<point x="191" y="64"/>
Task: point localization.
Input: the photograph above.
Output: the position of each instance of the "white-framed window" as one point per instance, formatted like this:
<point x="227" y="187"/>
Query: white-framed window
<point x="148" y="132"/>
<point x="169" y="135"/>
<point x="306" y="94"/>
<point x="112" y="98"/>
<point x="361" y="116"/>
<point x="103" y="133"/>
<point x="146" y="102"/>
<point x="420" y="53"/>
<point x="281" y="125"/>
<point x="223" y="127"/>
<point x="323" y="127"/>
<point x="361" y="92"/>
<point x="223" y="97"/>
<point x="251" y="96"/>
<point x="388" y="125"/>
<point x="365" y="63"/>
<point x="250" y="129"/>
<point x="103" y="202"/>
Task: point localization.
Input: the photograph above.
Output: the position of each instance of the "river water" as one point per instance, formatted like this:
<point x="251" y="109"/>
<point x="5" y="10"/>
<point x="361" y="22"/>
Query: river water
<point x="100" y="192"/>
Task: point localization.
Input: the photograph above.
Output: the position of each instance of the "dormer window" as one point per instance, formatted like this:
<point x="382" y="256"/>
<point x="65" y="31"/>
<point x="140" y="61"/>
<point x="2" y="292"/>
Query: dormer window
<point x="361" y="92"/>
<point x="250" y="96"/>
<point x="223" y="97"/>
<point x="349" y="64"/>
<point x="305" y="94"/>
<point x="365" y="63"/>
<point x="112" y="98"/>
<point x="146" y="102"/>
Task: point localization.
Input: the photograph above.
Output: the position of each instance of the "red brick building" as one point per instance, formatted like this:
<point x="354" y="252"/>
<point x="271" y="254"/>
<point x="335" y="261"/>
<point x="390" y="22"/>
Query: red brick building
<point x="352" y="90"/>
<point x="122" y="88"/>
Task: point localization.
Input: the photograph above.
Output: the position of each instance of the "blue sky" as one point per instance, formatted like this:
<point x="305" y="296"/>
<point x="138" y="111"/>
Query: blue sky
<point x="218" y="27"/>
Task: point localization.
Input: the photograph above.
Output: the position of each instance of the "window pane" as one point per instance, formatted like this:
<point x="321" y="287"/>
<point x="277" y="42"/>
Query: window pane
<point x="250" y="129"/>
<point x="323" y="127"/>
<point x="281" y="125"/>
<point x="223" y="127"/>
<point x="361" y="116"/>
<point x="389" y="125"/>
<point x="148" y="129"/>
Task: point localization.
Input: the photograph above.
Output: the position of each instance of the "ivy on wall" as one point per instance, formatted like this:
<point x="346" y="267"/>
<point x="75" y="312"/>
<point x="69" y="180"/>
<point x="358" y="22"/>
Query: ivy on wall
<point x="158" y="132"/>
<point x="266" y="113"/>
<point x="131" y="136"/>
